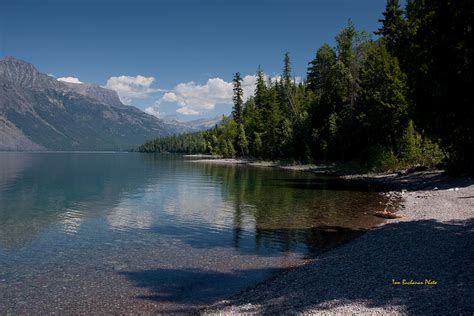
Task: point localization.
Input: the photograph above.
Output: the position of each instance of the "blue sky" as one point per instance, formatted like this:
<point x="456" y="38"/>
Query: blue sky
<point x="174" y="57"/>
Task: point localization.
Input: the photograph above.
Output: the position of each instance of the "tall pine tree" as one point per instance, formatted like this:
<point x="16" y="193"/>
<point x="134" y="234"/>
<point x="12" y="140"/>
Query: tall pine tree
<point x="241" y="139"/>
<point x="286" y="70"/>
<point x="238" y="98"/>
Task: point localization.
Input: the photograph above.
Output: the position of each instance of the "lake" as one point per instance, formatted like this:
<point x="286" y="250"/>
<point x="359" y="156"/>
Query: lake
<point x="118" y="232"/>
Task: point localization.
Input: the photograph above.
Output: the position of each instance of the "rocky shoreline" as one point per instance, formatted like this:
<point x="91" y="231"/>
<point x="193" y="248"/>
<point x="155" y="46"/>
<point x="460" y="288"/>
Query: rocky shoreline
<point x="420" y="263"/>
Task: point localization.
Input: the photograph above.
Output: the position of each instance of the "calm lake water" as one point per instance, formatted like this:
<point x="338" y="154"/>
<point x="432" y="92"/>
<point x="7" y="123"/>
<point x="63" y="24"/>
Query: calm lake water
<point x="114" y="232"/>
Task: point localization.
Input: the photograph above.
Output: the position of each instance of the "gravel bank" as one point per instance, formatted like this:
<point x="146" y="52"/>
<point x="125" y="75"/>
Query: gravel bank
<point x="432" y="243"/>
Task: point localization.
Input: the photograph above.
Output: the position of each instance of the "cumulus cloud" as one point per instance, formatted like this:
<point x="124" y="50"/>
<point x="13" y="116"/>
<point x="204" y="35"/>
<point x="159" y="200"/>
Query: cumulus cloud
<point x="152" y="110"/>
<point x="170" y="97"/>
<point x="129" y="87"/>
<point x="248" y="85"/>
<point x="194" y="99"/>
<point x="69" y="79"/>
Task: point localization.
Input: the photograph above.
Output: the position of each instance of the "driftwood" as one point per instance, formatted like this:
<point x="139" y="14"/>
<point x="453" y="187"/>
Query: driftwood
<point x="386" y="214"/>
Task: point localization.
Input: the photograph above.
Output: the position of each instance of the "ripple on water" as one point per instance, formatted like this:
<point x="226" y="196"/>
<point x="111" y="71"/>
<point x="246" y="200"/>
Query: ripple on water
<point x="71" y="221"/>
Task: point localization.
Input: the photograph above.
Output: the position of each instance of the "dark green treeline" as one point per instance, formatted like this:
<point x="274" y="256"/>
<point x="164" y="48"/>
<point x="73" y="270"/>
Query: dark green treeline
<point x="399" y="100"/>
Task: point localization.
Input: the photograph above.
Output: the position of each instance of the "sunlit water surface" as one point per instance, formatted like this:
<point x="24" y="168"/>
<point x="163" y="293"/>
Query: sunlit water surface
<point x="114" y="232"/>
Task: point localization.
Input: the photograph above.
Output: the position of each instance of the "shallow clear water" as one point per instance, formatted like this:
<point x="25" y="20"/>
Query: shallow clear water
<point x="116" y="232"/>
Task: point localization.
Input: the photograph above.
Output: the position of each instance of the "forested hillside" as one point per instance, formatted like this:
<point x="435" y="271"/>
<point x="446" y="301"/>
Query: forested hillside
<point x="395" y="99"/>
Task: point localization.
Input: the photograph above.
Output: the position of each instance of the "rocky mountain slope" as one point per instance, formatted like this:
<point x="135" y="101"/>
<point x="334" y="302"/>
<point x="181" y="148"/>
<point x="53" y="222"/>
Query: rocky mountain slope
<point x="37" y="112"/>
<point x="196" y="125"/>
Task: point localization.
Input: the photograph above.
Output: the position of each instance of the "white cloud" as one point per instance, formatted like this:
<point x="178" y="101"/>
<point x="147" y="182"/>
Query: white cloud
<point x="169" y="97"/>
<point x="187" y="111"/>
<point x="69" y="79"/>
<point x="248" y="85"/>
<point x="129" y="87"/>
<point x="194" y="99"/>
<point x="152" y="110"/>
<point x="126" y="100"/>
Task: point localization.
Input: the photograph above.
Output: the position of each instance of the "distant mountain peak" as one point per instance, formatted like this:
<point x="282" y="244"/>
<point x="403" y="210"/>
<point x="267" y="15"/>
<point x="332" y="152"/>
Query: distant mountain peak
<point x="22" y="73"/>
<point x="17" y="66"/>
<point x="197" y="124"/>
<point x="13" y="59"/>
<point x="39" y="112"/>
<point x="96" y="92"/>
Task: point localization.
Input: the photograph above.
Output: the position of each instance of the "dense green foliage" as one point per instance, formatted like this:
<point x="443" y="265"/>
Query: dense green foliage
<point x="191" y="143"/>
<point x="388" y="102"/>
<point x="436" y="53"/>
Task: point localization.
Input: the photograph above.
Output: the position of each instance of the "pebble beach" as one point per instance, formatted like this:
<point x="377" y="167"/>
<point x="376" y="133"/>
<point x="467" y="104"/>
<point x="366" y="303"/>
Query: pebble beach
<point x="419" y="263"/>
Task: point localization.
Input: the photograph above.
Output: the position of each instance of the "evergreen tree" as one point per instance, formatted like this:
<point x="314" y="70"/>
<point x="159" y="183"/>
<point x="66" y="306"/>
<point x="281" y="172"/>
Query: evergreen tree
<point x="440" y="73"/>
<point x="383" y="109"/>
<point x="237" y="98"/>
<point x="272" y="137"/>
<point x="410" y="147"/>
<point x="223" y="147"/>
<point x="241" y="138"/>
<point x="394" y="28"/>
<point x="260" y="101"/>
<point x="252" y="123"/>
<point x="345" y="43"/>
<point x="286" y="91"/>
<point x="230" y="149"/>
<point x="286" y="77"/>
<point x="260" y="89"/>
<point x="242" y="142"/>
<point x="351" y="53"/>
<point x="257" y="145"/>
<point x="318" y="74"/>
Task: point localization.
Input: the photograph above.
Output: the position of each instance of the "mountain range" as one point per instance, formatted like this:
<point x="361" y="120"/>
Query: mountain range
<point x="38" y="112"/>
<point x="197" y="125"/>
